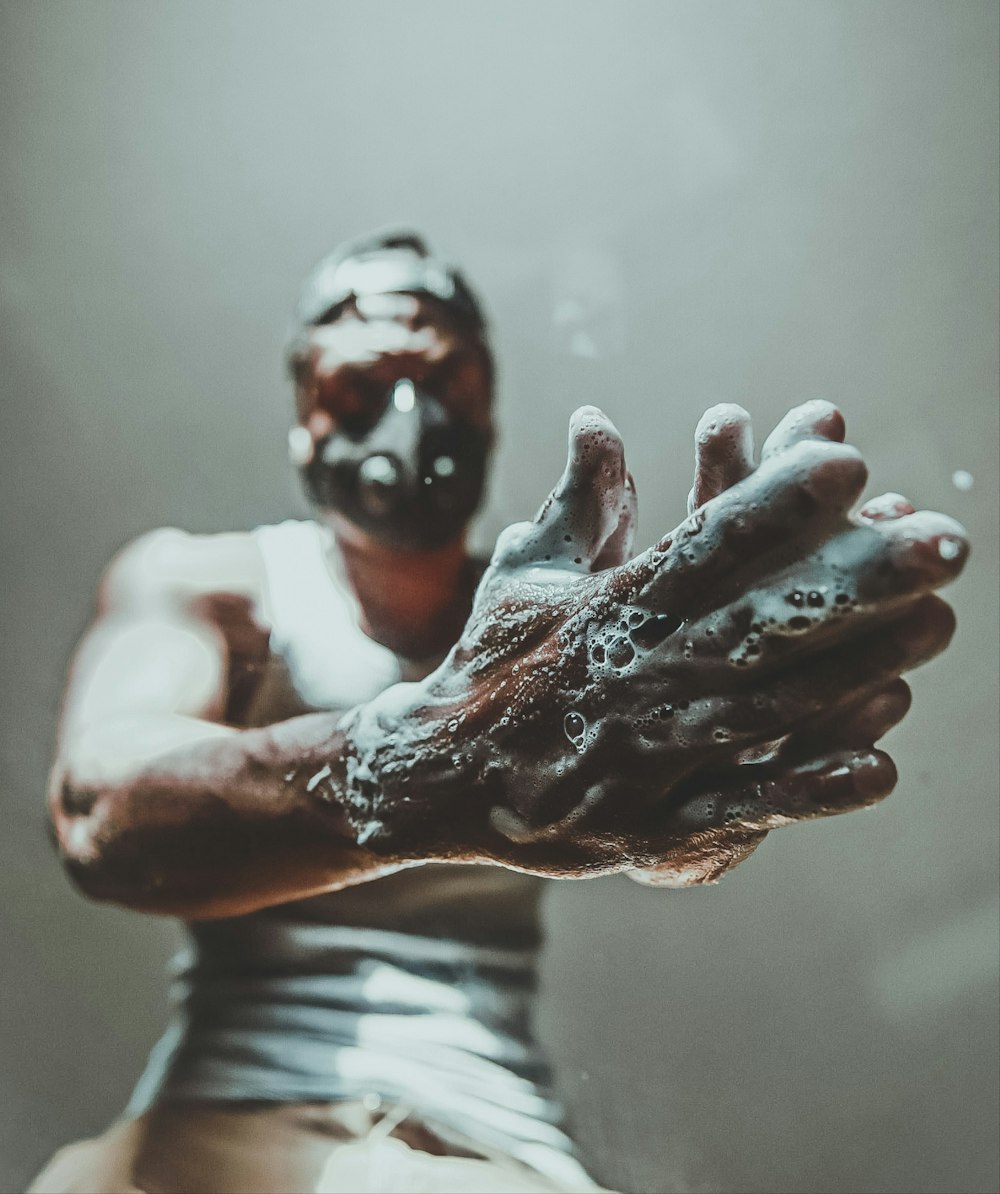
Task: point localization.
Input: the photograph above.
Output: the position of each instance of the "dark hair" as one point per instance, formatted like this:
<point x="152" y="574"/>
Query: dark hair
<point x="321" y="298"/>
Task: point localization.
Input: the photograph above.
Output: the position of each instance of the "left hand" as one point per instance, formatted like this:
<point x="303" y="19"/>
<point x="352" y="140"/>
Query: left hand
<point x="657" y="715"/>
<point x="724" y="456"/>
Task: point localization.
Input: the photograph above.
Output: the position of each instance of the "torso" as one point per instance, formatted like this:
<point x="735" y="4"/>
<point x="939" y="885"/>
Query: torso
<point x="416" y="988"/>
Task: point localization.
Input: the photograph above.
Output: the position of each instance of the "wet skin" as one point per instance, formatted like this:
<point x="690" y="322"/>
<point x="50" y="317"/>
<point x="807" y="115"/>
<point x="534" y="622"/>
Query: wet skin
<point x="599" y="713"/>
<point x="659" y="715"/>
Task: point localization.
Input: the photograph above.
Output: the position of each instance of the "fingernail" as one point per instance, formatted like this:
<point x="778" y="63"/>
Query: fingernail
<point x="874" y="774"/>
<point x="939" y="555"/>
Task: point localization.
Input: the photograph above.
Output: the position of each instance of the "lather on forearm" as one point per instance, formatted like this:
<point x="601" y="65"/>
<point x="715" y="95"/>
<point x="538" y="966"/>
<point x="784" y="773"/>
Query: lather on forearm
<point x="217" y="827"/>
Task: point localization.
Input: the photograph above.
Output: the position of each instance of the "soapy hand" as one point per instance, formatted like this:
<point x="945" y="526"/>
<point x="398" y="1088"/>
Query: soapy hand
<point x="659" y="714"/>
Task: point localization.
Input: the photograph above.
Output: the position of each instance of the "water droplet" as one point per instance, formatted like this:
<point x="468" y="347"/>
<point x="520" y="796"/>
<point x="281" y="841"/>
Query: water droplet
<point x="796" y="598"/>
<point x="575" y="726"/>
<point x="816" y="599"/>
<point x="404" y="395"/>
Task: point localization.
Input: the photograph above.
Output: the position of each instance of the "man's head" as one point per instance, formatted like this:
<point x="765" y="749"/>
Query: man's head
<point x="393" y="383"/>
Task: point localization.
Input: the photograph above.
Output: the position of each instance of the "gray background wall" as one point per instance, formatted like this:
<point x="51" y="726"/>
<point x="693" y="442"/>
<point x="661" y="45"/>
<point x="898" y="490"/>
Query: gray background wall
<point x="664" y="205"/>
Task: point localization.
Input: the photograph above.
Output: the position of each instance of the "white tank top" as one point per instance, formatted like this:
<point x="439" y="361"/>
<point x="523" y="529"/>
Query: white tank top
<point x="315" y="620"/>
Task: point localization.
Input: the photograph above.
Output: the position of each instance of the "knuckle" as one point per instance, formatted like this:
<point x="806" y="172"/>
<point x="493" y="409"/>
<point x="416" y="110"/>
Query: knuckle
<point x="828" y="469"/>
<point x="512" y="542"/>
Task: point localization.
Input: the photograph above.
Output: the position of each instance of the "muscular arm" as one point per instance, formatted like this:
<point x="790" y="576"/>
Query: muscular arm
<point x="156" y="802"/>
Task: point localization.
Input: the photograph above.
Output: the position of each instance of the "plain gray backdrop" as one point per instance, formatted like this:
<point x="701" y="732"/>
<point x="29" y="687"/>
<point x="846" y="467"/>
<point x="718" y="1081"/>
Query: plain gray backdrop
<point x="664" y="205"/>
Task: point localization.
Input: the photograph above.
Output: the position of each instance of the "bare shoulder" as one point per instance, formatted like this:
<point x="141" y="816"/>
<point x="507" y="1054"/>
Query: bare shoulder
<point x="169" y="567"/>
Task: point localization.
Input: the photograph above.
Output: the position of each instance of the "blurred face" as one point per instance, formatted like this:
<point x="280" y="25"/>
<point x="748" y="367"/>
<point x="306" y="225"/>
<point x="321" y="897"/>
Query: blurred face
<point x="393" y="399"/>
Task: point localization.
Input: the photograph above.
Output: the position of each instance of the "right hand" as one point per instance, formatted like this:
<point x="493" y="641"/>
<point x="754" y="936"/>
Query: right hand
<point x="659" y="714"/>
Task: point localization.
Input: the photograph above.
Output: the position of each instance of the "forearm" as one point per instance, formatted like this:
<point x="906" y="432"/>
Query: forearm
<point x="229" y="821"/>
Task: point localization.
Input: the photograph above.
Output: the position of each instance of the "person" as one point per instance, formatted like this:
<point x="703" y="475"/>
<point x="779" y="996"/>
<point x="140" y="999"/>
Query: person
<point x="349" y="755"/>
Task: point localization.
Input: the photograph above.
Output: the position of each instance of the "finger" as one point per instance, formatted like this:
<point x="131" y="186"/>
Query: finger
<point x="586" y="508"/>
<point x="927" y="546"/>
<point x="723" y="452"/>
<point x="825" y="684"/>
<point x="792" y="501"/>
<point x="886" y="507"/>
<point x="767" y="796"/>
<point x="812" y="420"/>
<point x="618" y="546"/>
<point x="857" y="727"/>
<point x="867" y="569"/>
<point x="834" y="594"/>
